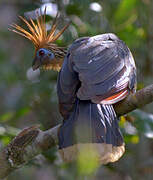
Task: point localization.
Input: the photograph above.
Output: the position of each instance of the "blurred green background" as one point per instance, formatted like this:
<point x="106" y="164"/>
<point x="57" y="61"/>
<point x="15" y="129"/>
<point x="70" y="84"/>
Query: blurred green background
<point x="25" y="101"/>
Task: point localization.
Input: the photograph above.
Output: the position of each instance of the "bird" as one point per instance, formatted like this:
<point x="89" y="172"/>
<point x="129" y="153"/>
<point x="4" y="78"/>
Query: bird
<point x="94" y="74"/>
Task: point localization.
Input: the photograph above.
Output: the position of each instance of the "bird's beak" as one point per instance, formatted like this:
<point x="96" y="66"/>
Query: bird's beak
<point x="36" y="63"/>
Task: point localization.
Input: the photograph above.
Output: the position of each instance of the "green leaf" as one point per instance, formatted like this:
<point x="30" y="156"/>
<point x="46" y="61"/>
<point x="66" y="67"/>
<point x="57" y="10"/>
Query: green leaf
<point x="5" y="140"/>
<point x="132" y="35"/>
<point x="134" y="139"/>
<point x="22" y="112"/>
<point x="7" y="116"/>
<point x="125" y="10"/>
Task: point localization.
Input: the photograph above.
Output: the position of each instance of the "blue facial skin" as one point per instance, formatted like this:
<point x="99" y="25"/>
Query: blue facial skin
<point x="43" y="53"/>
<point x="43" y="57"/>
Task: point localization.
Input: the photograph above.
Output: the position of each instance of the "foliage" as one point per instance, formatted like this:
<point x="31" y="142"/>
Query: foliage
<point x="24" y="102"/>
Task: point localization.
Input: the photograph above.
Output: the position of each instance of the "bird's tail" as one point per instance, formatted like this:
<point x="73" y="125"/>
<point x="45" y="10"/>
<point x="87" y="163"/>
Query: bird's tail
<point x="91" y="126"/>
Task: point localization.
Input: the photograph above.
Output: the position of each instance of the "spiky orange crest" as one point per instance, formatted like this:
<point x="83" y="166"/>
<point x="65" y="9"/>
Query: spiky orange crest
<point x="38" y="32"/>
<point x="42" y="39"/>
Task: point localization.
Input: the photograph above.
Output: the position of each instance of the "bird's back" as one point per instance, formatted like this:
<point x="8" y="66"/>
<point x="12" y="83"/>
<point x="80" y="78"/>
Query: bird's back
<point x="105" y="68"/>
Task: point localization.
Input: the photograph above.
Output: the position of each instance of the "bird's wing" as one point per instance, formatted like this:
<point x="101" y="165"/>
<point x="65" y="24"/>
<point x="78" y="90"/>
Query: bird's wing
<point x="105" y="68"/>
<point x="66" y="87"/>
<point x="100" y="69"/>
<point x="68" y="83"/>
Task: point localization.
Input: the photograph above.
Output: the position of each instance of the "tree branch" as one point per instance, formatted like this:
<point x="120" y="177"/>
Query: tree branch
<point x="32" y="141"/>
<point x="26" y="145"/>
<point x="134" y="101"/>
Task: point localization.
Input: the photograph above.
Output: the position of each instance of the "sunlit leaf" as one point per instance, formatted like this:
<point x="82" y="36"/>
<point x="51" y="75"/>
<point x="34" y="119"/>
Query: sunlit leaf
<point x="5" y="140"/>
<point x="130" y="34"/>
<point x="134" y="139"/>
<point x="122" y="121"/>
<point x="124" y="10"/>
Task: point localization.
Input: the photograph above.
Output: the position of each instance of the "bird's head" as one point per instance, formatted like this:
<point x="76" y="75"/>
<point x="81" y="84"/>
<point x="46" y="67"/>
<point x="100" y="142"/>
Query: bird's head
<point x="47" y="54"/>
<point x="43" y="58"/>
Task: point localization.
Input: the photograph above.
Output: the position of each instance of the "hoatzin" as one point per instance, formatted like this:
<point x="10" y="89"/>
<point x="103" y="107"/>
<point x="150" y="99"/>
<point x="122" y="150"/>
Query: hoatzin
<point x="95" y="73"/>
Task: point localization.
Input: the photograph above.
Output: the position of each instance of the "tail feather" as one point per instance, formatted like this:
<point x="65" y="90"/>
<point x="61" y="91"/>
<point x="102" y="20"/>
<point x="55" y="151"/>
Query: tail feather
<point x="93" y="124"/>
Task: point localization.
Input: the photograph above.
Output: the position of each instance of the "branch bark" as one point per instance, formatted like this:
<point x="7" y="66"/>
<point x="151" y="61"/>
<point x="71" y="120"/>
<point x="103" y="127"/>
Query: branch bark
<point x="135" y="101"/>
<point x="32" y="141"/>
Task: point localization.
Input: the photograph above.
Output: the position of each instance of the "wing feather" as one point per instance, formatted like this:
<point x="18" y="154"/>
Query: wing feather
<point x="105" y="67"/>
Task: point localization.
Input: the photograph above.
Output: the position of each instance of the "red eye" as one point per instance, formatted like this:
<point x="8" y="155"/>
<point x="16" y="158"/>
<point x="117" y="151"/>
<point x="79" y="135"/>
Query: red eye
<point x="41" y="52"/>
